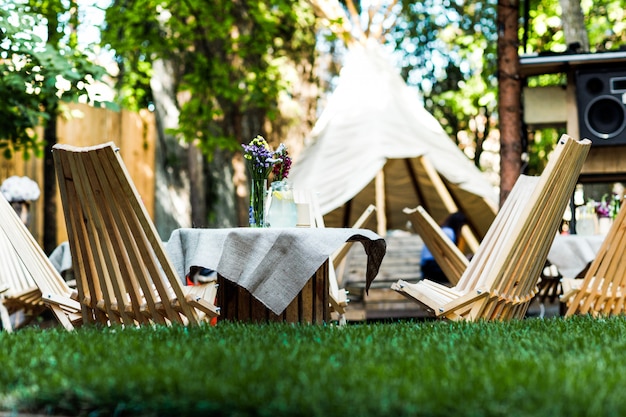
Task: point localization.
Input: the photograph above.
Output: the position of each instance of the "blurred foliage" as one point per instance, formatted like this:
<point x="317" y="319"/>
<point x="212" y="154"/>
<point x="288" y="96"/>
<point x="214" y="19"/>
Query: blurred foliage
<point x="605" y="21"/>
<point x="450" y="56"/>
<point x="35" y="74"/>
<point x="449" y="52"/>
<point x="227" y="56"/>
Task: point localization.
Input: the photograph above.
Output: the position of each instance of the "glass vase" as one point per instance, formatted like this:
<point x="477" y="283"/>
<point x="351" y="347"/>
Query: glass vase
<point x="256" y="212"/>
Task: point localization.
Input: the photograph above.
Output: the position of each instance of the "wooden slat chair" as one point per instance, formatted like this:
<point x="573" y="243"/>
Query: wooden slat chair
<point x="338" y="296"/>
<point x="453" y="262"/>
<point x="446" y="253"/>
<point x="123" y="274"/>
<point x="30" y="282"/>
<point x="602" y="291"/>
<point x="501" y="278"/>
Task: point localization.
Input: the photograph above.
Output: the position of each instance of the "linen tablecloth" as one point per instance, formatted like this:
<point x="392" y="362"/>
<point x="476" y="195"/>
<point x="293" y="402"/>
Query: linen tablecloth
<point x="273" y="264"/>
<point x="571" y="253"/>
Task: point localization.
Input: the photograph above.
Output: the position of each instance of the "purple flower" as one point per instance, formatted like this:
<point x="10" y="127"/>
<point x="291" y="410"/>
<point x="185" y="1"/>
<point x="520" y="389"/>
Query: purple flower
<point x="262" y="161"/>
<point x="259" y="157"/>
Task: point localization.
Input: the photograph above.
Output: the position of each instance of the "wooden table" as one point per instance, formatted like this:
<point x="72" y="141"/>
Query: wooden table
<point x="271" y="273"/>
<point x="311" y="305"/>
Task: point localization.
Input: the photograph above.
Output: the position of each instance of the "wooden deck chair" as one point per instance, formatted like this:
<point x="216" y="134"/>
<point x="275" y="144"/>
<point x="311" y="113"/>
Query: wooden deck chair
<point x="122" y="272"/>
<point x="446" y="253"/>
<point x="338" y="296"/>
<point x="453" y="262"/>
<point x="501" y="278"/>
<point x="29" y="281"/>
<point x="602" y="291"/>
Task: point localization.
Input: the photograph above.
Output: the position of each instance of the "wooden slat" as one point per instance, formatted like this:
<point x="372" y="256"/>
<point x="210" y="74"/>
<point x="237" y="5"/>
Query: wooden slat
<point x="446" y="253"/>
<point x="448" y="202"/>
<point x="306" y="302"/>
<point x="501" y="278"/>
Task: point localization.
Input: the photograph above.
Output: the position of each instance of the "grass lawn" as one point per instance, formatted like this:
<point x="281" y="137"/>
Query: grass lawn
<point x="533" y="367"/>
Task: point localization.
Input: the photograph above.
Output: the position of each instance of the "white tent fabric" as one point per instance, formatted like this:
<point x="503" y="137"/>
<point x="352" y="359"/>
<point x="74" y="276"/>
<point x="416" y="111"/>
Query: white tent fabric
<point x="373" y="122"/>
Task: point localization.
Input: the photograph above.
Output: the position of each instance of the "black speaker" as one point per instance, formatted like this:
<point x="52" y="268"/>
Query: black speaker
<point x="601" y="101"/>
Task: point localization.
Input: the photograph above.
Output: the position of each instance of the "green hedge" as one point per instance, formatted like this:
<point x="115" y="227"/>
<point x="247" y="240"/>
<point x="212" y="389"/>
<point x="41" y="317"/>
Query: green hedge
<point x="533" y="367"/>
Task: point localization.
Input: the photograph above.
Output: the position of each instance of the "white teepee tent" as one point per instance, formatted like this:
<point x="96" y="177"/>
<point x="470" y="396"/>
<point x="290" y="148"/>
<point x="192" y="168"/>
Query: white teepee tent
<point x="376" y="144"/>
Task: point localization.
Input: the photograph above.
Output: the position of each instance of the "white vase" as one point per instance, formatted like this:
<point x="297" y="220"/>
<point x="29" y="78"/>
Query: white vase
<point x="585" y="226"/>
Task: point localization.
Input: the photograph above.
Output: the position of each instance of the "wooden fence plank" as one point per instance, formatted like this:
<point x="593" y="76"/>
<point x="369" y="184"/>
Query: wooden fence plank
<point x="135" y="135"/>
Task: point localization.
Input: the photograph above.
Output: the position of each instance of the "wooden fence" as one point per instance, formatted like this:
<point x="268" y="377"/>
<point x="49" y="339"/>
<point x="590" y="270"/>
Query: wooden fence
<point x="133" y="133"/>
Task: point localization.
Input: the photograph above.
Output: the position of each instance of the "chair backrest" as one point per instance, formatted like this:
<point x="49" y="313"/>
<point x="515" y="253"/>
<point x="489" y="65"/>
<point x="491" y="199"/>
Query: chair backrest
<point x="123" y="274"/>
<point x="467" y="237"/>
<point x="603" y="289"/>
<point x="446" y="253"/>
<point x="510" y="258"/>
<point x="25" y="267"/>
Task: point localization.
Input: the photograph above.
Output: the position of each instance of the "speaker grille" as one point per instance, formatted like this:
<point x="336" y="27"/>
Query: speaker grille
<point x="604" y="116"/>
<point x="601" y="96"/>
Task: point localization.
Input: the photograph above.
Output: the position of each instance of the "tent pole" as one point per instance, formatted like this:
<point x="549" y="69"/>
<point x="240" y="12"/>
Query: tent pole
<point x="381" y="218"/>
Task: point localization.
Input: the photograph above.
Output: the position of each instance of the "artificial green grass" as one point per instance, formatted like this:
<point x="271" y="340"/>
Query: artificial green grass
<point x="533" y="367"/>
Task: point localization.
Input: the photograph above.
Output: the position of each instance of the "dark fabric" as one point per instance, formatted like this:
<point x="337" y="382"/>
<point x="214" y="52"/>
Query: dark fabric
<point x="432" y="271"/>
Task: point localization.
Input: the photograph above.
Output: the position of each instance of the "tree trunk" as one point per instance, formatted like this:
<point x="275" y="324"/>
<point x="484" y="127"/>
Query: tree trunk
<point x="50" y="136"/>
<point x="509" y="96"/>
<point x="49" y="187"/>
<point x="172" y="202"/>
<point x="576" y="36"/>
<point x="196" y="185"/>
<point x="226" y="191"/>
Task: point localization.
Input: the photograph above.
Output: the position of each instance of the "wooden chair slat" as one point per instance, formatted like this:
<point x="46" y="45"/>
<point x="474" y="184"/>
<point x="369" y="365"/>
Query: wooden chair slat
<point x="446" y="253"/>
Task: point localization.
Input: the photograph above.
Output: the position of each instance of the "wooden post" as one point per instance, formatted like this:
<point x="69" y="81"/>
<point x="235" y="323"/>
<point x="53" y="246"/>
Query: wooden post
<point x="381" y="218"/>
